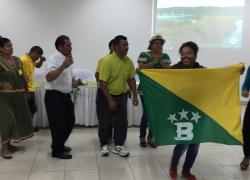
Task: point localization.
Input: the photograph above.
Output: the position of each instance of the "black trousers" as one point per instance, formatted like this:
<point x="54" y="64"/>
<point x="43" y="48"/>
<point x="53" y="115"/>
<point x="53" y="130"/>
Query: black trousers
<point x="118" y="116"/>
<point x="31" y="98"/>
<point x="61" y="117"/>
<point x="246" y="131"/>
<point x="111" y="123"/>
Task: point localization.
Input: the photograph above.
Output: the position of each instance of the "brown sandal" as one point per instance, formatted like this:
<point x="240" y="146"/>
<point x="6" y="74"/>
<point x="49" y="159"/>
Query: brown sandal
<point x="6" y="155"/>
<point x="244" y="164"/>
<point x="12" y="148"/>
<point x="143" y="142"/>
<point x="150" y="142"/>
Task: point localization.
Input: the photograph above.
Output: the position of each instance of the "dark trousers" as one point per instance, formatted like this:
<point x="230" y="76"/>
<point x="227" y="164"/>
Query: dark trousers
<point x="111" y="129"/>
<point x="246" y="131"/>
<point x="144" y="121"/>
<point x="111" y="123"/>
<point x="31" y="98"/>
<point x="192" y="151"/>
<point x="61" y="117"/>
<point x="106" y="116"/>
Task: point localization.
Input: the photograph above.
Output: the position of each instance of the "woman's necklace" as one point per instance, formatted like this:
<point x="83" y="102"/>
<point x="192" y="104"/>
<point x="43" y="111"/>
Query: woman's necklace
<point x="9" y="62"/>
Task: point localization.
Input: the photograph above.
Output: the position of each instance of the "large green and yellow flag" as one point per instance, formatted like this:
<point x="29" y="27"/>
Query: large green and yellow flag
<point x="187" y="106"/>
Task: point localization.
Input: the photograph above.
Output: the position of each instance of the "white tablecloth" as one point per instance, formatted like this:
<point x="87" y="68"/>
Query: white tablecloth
<point x="85" y="108"/>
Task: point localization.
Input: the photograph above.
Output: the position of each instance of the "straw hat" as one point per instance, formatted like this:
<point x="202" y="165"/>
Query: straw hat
<point x="154" y="38"/>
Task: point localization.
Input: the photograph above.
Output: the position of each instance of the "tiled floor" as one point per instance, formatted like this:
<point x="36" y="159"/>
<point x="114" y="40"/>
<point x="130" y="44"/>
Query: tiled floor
<point x="33" y="161"/>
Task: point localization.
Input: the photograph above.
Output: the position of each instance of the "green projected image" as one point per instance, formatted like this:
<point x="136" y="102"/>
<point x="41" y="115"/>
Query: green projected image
<point x="209" y="23"/>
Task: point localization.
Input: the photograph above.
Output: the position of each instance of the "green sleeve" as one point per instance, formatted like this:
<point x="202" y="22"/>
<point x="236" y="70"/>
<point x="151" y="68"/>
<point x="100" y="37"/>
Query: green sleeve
<point x="98" y="66"/>
<point x="143" y="57"/>
<point x="165" y="57"/>
<point x="105" y="71"/>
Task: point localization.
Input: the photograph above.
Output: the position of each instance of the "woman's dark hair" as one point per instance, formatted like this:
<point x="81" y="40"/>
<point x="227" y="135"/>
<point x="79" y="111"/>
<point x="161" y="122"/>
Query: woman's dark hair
<point x="60" y="41"/>
<point x="3" y="41"/>
<point x="190" y="44"/>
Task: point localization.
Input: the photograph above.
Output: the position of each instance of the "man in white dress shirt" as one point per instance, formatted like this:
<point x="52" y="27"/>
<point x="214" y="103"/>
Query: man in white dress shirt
<point x="58" y="103"/>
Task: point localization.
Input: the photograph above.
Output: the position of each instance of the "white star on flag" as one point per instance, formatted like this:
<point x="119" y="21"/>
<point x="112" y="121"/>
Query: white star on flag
<point x="172" y="118"/>
<point x="183" y="114"/>
<point x="195" y="117"/>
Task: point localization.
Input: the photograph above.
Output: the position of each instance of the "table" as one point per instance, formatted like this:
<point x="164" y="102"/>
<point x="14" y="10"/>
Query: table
<point x="85" y="108"/>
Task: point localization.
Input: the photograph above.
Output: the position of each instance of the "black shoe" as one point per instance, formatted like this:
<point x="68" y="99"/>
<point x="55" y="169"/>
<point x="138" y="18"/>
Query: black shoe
<point x="153" y="145"/>
<point x="61" y="155"/>
<point x="35" y="129"/>
<point x="66" y="149"/>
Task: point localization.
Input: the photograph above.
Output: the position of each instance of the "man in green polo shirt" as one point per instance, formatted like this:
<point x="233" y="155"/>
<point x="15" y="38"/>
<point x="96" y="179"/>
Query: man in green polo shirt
<point x="116" y="72"/>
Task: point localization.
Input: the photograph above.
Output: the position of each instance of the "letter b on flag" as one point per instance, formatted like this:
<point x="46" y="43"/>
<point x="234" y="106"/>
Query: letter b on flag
<point x="184" y="131"/>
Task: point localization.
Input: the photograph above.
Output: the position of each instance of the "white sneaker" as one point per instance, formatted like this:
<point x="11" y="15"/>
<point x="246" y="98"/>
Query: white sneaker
<point x="121" y="151"/>
<point x="104" y="150"/>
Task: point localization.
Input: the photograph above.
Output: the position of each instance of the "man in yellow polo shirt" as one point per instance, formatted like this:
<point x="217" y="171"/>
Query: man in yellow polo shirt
<point x="29" y="61"/>
<point x="116" y="72"/>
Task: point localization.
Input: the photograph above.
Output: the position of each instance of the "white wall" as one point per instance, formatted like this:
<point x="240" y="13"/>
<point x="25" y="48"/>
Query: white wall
<point x="90" y="24"/>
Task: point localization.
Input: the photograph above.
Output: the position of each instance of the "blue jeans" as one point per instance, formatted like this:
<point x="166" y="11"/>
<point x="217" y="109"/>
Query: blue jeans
<point x="144" y="121"/>
<point x="192" y="151"/>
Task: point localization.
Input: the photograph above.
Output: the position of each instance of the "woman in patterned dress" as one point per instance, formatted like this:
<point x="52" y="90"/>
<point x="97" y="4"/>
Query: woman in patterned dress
<point x="15" y="118"/>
